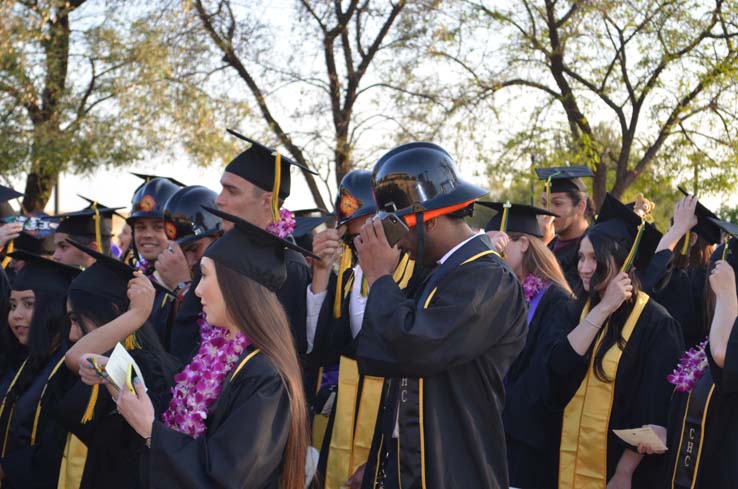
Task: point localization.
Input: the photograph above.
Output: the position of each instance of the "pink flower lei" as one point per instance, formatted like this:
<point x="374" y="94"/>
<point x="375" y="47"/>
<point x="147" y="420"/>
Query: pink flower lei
<point x="692" y="366"/>
<point x="531" y="286"/>
<point x="200" y="383"/>
<point x="284" y="226"/>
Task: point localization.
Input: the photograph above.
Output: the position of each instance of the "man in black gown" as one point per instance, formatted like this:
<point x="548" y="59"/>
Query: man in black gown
<point x="445" y="346"/>
<point x="565" y="194"/>
<point x="250" y="181"/>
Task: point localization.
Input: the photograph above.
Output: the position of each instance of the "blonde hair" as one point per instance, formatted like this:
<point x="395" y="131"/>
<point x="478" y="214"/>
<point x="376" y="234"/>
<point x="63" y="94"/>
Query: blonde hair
<point x="541" y="262"/>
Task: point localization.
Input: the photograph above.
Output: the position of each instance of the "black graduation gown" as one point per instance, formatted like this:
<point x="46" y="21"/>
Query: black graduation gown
<point x="568" y="257"/>
<point x="444" y="367"/>
<point x="185" y="335"/>
<point x="243" y="447"/>
<point x="114" y="448"/>
<point x="20" y="463"/>
<point x="532" y="427"/>
<point x="162" y="315"/>
<point x="717" y="465"/>
<point x="642" y="393"/>
<point x="681" y="292"/>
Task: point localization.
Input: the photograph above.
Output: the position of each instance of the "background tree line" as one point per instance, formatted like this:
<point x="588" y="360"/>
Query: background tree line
<point x="643" y="92"/>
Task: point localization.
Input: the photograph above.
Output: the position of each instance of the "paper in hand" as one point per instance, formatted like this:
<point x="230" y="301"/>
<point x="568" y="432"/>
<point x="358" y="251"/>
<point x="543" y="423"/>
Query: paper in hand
<point x="636" y="436"/>
<point x="117" y="367"/>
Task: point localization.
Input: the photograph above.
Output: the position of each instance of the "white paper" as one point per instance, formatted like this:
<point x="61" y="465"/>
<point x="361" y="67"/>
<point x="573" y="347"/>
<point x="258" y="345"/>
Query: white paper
<point x="636" y="436"/>
<point x="117" y="366"/>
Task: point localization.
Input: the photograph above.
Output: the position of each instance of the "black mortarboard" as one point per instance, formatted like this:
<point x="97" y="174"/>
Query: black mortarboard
<point x="7" y="193"/>
<point x="565" y="178"/>
<point x="147" y="178"/>
<point x="108" y="277"/>
<point x="705" y="228"/>
<point x="40" y="273"/>
<point x="100" y="206"/>
<point x="252" y="251"/>
<point x="621" y="224"/>
<point x="259" y="165"/>
<point x="728" y="250"/>
<point x="83" y="222"/>
<point x="39" y="243"/>
<point x="519" y="219"/>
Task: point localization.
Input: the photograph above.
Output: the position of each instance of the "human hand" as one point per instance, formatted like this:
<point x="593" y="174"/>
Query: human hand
<point x="646" y="448"/>
<point x="546" y="225"/>
<point x="9" y="232"/>
<point x="141" y="293"/>
<point x="327" y="245"/>
<point x="619" y="290"/>
<point x="137" y="409"/>
<point x="499" y="240"/>
<point x="722" y="280"/>
<point x="376" y="256"/>
<point x="172" y="266"/>
<point x="684" y="217"/>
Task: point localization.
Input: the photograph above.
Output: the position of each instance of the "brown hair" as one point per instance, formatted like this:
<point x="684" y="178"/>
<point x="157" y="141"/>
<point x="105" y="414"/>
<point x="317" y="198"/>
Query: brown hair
<point x="541" y="262"/>
<point x="258" y="313"/>
<point x="698" y="256"/>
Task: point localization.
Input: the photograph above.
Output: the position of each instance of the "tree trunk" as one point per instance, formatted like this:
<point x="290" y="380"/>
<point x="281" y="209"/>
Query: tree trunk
<point x="39" y="184"/>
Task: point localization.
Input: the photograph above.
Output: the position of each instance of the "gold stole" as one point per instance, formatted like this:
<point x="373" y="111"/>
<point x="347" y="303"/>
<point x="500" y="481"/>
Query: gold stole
<point x="72" y="464"/>
<point x="353" y="429"/>
<point x="583" y="452"/>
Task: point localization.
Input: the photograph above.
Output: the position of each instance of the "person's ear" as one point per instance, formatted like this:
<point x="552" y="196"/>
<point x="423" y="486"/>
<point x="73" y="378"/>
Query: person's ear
<point x="431" y="224"/>
<point x="524" y="243"/>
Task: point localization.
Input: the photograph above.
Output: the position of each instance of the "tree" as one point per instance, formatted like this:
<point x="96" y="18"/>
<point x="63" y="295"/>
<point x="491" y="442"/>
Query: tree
<point x="348" y="61"/>
<point x="662" y="75"/>
<point x="88" y="84"/>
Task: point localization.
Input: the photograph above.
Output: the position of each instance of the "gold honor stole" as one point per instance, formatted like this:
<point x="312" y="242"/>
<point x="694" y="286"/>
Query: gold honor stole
<point x="583" y="452"/>
<point x="353" y="428"/>
<point x="72" y="463"/>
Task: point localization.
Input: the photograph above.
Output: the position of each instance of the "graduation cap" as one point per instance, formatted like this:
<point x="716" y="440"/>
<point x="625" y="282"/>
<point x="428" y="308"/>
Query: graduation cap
<point x="36" y="243"/>
<point x="621" y="224"/>
<point x="40" y="273"/>
<point x="7" y="193"/>
<point x="92" y="202"/>
<point x="304" y="226"/>
<point x="94" y="221"/>
<point x="266" y="168"/>
<point x="563" y="179"/>
<point x="252" y="251"/>
<point x="705" y="228"/>
<point x="147" y="178"/>
<point x="108" y="277"/>
<point x="516" y="218"/>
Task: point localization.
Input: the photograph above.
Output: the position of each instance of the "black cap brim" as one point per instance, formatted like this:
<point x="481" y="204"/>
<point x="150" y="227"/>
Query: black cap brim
<point x="255" y="230"/>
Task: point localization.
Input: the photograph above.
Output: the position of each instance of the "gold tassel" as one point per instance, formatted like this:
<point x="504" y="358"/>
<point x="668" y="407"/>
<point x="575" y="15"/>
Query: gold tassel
<point x="364" y="286"/>
<point x="505" y="216"/>
<point x="6" y="260"/>
<point x="98" y="233"/>
<point x="548" y="189"/>
<point x="344" y="264"/>
<point x="685" y="245"/>
<point x="90" y="410"/>
<point x="275" y="188"/>
<point x="634" y="249"/>
<point x="726" y="252"/>
<point x="131" y="342"/>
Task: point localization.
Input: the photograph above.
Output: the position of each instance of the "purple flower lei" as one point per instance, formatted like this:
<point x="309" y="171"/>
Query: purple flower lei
<point x="691" y="367"/>
<point x="284" y="226"/>
<point x="200" y="383"/>
<point x="531" y="286"/>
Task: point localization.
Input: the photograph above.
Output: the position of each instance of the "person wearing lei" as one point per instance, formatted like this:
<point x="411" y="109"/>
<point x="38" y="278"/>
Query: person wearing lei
<point x="703" y="428"/>
<point x="532" y="428"/>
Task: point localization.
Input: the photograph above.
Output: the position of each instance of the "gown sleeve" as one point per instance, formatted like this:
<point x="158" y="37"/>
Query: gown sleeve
<point x="726" y="378"/>
<point x="658" y="273"/>
<point x="245" y="450"/>
<point x="660" y="356"/>
<point x="475" y="307"/>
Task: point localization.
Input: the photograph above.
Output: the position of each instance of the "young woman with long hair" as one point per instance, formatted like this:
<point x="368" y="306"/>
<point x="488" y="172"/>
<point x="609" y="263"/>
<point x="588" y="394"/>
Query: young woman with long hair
<point x="532" y="428"/>
<point x="38" y="320"/>
<point x="96" y="301"/>
<point x="610" y="371"/>
<point x="703" y="428"/>
<point x="244" y="422"/>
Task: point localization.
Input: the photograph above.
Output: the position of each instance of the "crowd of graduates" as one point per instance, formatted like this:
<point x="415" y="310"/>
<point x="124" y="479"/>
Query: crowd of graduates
<point x="387" y="344"/>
